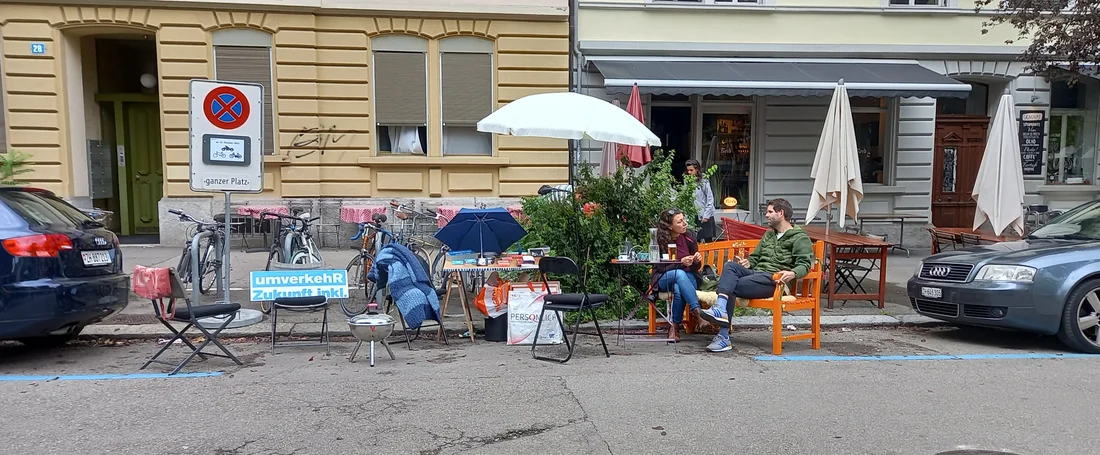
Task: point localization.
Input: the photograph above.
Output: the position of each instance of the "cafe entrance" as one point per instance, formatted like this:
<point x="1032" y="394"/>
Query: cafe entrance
<point x="726" y="129"/>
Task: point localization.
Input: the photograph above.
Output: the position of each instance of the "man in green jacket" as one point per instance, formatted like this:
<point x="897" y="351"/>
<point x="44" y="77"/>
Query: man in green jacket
<point x="785" y="250"/>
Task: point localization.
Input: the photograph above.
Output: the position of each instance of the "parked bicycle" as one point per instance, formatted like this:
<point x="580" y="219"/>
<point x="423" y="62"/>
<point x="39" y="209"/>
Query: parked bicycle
<point x="210" y="248"/>
<point x="374" y="236"/>
<point x="421" y="244"/>
<point x="294" y="243"/>
<point x="361" y="291"/>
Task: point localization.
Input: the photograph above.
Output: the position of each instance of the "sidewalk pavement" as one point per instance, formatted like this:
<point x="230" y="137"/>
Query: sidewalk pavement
<point x="137" y="319"/>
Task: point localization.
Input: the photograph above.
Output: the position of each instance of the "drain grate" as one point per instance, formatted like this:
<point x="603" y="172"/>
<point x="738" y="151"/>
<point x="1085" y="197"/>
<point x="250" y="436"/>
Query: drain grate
<point x="131" y="319"/>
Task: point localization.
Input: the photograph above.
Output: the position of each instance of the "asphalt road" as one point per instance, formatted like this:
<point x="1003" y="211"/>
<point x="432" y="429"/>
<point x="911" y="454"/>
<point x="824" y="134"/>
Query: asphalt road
<point x="986" y="393"/>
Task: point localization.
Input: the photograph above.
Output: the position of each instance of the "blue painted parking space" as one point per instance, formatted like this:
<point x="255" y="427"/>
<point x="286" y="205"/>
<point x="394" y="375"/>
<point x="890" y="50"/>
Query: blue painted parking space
<point x="104" y="377"/>
<point x="926" y="357"/>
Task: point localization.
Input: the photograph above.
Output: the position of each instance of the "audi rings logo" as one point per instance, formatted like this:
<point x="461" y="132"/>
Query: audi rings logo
<point x="939" y="271"/>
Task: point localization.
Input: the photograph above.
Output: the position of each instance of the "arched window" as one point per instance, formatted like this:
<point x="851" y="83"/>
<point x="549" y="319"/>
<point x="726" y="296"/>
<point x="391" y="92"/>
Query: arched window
<point x="466" y="70"/>
<point x="400" y="67"/>
<point x="244" y="55"/>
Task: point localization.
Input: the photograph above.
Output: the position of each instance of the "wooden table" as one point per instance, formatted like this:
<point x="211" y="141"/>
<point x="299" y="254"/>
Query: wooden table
<point x="897" y="216"/>
<point x="985" y="235"/>
<point x="862" y="248"/>
<point x="455" y="277"/>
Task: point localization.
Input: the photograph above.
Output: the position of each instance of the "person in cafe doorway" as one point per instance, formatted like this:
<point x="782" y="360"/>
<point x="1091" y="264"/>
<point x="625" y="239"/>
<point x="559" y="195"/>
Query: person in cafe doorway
<point x="784" y="253"/>
<point x="704" y="202"/>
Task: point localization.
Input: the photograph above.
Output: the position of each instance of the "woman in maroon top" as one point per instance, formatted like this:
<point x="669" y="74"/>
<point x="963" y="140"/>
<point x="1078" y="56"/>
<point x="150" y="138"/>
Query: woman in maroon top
<point x="681" y="278"/>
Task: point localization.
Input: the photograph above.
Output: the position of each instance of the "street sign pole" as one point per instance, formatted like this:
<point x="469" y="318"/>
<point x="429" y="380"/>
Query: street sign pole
<point x="228" y="230"/>
<point x="226" y="155"/>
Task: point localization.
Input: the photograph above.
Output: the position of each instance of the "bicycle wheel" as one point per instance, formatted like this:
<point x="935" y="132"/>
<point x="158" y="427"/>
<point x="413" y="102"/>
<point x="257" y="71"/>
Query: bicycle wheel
<point x="183" y="269"/>
<point x="361" y="291"/>
<point x="302" y="256"/>
<point x="209" y="264"/>
<point x="275" y="255"/>
<point x="424" y="259"/>
<point x="439" y="277"/>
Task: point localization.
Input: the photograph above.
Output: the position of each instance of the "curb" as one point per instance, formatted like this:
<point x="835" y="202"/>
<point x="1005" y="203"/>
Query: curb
<point x="336" y="329"/>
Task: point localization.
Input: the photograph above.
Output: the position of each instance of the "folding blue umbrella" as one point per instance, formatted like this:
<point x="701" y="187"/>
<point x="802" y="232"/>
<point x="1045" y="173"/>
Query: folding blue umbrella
<point x="492" y="230"/>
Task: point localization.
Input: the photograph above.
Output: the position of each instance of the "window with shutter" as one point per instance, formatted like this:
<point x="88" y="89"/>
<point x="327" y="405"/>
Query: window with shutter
<point x="400" y="81"/>
<point x="250" y="64"/>
<point x="466" y="70"/>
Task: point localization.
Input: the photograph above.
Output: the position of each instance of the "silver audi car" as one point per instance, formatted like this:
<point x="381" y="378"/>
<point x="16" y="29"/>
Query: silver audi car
<point x="1048" y="282"/>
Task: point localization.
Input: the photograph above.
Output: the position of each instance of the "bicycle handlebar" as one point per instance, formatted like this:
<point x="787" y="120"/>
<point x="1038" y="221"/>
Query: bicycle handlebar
<point x="266" y="214"/>
<point x="403" y="208"/>
<point x="363" y="227"/>
<point x="190" y="219"/>
<point x="292" y="218"/>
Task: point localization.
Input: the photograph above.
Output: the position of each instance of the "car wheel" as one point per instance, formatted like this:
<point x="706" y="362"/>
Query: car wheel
<point x="1081" y="318"/>
<point x="51" y="341"/>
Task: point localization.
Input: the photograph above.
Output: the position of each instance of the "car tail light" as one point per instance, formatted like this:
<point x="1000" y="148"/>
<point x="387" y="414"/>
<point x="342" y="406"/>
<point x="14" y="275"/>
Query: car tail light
<point x="38" y="246"/>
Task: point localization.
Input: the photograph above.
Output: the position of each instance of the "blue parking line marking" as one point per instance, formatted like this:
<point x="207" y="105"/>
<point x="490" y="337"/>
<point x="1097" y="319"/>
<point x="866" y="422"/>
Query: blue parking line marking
<point x="852" y="358"/>
<point x="102" y="377"/>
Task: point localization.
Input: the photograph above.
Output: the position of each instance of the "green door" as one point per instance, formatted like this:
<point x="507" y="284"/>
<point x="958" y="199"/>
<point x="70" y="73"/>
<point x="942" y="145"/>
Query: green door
<point x="144" y="169"/>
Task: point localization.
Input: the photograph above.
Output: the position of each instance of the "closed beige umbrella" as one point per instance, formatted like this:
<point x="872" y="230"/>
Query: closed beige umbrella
<point x="836" y="172"/>
<point x="999" y="188"/>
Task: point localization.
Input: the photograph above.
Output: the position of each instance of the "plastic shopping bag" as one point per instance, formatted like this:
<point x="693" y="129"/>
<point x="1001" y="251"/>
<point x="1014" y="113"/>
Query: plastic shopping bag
<point x="525" y="302"/>
<point x="492" y="301"/>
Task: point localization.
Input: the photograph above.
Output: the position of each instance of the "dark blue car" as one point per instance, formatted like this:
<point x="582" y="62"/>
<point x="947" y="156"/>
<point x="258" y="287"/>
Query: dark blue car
<point x="1048" y="282"/>
<point x="59" y="269"/>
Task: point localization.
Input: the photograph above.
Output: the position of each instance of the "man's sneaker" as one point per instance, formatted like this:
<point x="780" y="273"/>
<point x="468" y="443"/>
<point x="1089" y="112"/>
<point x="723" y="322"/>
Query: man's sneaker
<point x="719" y="344"/>
<point x="715" y="315"/>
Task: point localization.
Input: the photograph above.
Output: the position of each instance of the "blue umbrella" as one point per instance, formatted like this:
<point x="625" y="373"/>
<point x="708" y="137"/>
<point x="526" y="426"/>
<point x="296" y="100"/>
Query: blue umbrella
<point x="492" y="230"/>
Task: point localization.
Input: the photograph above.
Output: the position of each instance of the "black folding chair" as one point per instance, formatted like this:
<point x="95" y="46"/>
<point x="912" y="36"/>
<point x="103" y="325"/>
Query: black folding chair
<point x="569" y="303"/>
<point x="300" y="305"/>
<point x="169" y="313"/>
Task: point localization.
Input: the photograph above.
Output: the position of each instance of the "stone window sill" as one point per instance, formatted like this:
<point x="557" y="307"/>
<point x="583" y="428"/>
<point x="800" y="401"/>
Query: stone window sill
<point x="1081" y="188"/>
<point x="883" y="189"/>
<point x="441" y="161"/>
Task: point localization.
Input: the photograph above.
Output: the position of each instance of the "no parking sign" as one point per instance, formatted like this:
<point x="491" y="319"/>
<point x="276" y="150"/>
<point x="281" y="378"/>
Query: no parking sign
<point x="226" y="136"/>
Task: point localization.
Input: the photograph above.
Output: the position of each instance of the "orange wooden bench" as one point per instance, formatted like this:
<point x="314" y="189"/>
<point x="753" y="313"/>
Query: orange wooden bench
<point x="805" y="294"/>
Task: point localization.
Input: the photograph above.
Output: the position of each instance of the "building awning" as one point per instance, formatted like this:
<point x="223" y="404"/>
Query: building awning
<point x="777" y="78"/>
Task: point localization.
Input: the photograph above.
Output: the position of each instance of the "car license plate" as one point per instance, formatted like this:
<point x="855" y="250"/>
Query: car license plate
<point x="95" y="257"/>
<point x="932" y="293"/>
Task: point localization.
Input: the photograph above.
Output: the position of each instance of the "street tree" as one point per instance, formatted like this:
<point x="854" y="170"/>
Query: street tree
<point x="1061" y="34"/>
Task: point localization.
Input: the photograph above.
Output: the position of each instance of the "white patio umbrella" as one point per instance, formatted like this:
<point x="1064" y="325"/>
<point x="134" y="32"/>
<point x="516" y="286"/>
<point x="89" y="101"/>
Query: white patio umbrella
<point x="999" y="188"/>
<point x="567" y="115"/>
<point x="836" y="172"/>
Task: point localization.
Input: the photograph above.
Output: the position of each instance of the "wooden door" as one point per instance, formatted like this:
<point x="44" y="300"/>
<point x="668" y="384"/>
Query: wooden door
<point x="959" y="146"/>
<point x="144" y="165"/>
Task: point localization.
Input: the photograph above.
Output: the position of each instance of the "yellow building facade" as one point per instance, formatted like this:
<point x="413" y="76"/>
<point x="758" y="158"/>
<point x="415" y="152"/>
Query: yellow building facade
<point x="361" y="100"/>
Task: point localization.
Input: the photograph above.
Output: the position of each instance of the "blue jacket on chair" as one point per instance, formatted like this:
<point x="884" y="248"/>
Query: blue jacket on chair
<point x="410" y="286"/>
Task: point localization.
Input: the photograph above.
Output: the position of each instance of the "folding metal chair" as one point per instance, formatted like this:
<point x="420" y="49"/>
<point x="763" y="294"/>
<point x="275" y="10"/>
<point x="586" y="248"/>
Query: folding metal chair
<point x="301" y="305"/>
<point x="572" y="303"/>
<point x="157" y="284"/>
<point x="310" y="304"/>
<point x="850" y="273"/>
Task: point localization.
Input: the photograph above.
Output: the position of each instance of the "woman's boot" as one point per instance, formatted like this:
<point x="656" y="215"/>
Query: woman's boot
<point x="674" y="332"/>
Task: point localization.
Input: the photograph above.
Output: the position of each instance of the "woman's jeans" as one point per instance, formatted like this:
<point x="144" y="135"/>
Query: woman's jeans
<point x="682" y="284"/>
